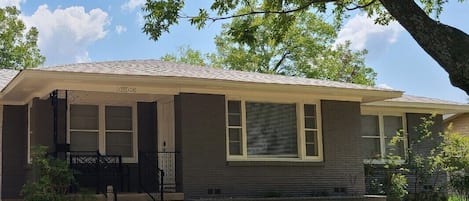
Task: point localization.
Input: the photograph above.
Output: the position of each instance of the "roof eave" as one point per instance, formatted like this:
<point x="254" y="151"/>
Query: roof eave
<point x="365" y="95"/>
<point x="430" y="107"/>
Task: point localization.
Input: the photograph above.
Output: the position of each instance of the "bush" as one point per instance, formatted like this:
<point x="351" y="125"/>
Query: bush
<point x="52" y="177"/>
<point x="397" y="187"/>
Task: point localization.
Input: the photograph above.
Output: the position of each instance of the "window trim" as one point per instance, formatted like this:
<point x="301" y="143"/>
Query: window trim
<point x="102" y="126"/>
<point x="301" y="138"/>
<point x="382" y="136"/>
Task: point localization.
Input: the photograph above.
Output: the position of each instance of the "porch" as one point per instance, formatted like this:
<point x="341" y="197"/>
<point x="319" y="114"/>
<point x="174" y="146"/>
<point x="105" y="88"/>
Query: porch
<point x="121" y="140"/>
<point x="95" y="172"/>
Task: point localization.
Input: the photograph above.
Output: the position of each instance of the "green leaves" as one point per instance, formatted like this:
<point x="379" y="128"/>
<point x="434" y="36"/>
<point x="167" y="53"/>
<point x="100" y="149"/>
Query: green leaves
<point x="18" y="46"/>
<point x="160" y="15"/>
<point x="52" y="177"/>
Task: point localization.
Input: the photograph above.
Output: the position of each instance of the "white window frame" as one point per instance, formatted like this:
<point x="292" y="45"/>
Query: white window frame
<point x="382" y="136"/>
<point x="301" y="138"/>
<point x="102" y="127"/>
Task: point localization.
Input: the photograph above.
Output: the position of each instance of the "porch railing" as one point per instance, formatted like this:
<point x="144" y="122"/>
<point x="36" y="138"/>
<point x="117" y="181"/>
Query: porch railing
<point x="91" y="169"/>
<point x="157" y="172"/>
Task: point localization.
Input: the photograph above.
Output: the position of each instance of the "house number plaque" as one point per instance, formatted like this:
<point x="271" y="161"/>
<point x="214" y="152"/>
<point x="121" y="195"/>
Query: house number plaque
<point x="129" y="90"/>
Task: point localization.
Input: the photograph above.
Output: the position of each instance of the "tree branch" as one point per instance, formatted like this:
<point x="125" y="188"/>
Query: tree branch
<point x="259" y="12"/>
<point x="446" y="44"/>
<point x="284" y="56"/>
<point x="361" y="6"/>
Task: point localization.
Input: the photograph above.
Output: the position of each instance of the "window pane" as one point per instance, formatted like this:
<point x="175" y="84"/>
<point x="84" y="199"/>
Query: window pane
<point x="83" y="141"/>
<point x="310" y="110"/>
<point x="118" y="118"/>
<point x="311" y="150"/>
<point x="398" y="149"/>
<point x="310" y="122"/>
<point x="311" y="137"/>
<point x="392" y="125"/>
<point x="234" y="107"/>
<point x="370" y="125"/>
<point x="311" y="143"/>
<point x="235" y="148"/>
<point x="271" y="129"/>
<point x="119" y="143"/>
<point x="235" y="134"/>
<point x="234" y="119"/>
<point x="371" y="148"/>
<point x="84" y="117"/>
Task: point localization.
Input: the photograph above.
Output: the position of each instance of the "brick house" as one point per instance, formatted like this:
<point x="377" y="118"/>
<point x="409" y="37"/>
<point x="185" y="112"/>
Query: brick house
<point x="214" y="133"/>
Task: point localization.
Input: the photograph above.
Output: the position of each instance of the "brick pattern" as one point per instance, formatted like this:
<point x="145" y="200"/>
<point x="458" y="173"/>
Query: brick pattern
<point x="200" y="137"/>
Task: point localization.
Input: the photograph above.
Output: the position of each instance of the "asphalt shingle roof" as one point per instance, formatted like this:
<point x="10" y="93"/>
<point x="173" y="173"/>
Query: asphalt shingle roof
<point x="418" y="99"/>
<point x="170" y="69"/>
<point x="6" y="75"/>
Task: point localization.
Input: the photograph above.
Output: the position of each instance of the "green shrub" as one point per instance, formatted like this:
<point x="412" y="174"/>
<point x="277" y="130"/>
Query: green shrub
<point x="51" y="177"/>
<point x="397" y="189"/>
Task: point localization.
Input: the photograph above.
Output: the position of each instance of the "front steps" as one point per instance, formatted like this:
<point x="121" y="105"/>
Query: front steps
<point x="146" y="197"/>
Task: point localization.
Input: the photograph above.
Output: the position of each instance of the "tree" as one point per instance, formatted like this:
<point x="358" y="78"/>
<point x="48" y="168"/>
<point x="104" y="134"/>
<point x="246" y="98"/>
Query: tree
<point x="306" y="49"/>
<point x="18" y="47"/>
<point x="186" y="55"/>
<point x="447" y="45"/>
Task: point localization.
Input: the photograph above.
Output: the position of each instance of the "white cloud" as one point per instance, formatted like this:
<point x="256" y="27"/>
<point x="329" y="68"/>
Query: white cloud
<point x="65" y="34"/>
<point x="120" y="29"/>
<point x="364" y="33"/>
<point x="5" y="3"/>
<point x="130" y="5"/>
<point x="384" y="86"/>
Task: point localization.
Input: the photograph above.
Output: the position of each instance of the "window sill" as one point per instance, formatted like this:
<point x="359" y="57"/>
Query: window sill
<point x="273" y="162"/>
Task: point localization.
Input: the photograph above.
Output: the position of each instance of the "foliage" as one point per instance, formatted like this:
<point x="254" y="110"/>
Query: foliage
<point x="18" y="47"/>
<point x="458" y="198"/>
<point x="455" y="160"/>
<point x="306" y="50"/>
<point x="398" y="187"/>
<point x="430" y="156"/>
<point x="162" y="14"/>
<point x="52" y="177"/>
<point x="188" y="56"/>
<point x="423" y="151"/>
<point x="444" y="43"/>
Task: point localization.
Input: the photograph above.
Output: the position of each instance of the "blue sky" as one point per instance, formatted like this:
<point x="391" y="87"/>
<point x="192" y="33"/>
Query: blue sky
<point x="73" y="31"/>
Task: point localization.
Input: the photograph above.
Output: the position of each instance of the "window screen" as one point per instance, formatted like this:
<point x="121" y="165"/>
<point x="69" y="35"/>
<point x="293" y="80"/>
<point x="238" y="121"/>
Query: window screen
<point x="119" y="130"/>
<point x="271" y="129"/>
<point x="84" y="127"/>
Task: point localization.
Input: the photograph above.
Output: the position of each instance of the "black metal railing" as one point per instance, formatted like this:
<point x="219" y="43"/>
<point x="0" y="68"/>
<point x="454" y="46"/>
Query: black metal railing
<point x="156" y="172"/>
<point x="91" y="169"/>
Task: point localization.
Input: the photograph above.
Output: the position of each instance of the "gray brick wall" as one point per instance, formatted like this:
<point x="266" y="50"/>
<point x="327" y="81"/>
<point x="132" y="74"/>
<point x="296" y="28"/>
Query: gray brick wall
<point x="200" y="137"/>
<point x="14" y="150"/>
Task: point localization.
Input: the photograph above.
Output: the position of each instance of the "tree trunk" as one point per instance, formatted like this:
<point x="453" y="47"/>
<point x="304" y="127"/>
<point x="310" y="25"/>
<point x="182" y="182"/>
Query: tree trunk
<point x="449" y="46"/>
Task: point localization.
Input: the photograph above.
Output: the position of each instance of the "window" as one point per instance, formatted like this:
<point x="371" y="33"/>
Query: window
<point x="272" y="131"/>
<point x="107" y="128"/>
<point x="377" y="132"/>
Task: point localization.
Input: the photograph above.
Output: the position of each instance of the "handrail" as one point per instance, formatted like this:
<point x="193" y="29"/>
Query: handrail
<point x="150" y="170"/>
<point x="142" y="158"/>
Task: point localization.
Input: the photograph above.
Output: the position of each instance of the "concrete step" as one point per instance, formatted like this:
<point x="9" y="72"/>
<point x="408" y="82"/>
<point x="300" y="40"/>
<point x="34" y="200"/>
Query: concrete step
<point x="146" y="197"/>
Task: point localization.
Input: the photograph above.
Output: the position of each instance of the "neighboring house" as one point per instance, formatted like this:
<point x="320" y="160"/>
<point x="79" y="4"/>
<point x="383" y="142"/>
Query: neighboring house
<point x="459" y="123"/>
<point x="380" y="122"/>
<point x="215" y="133"/>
